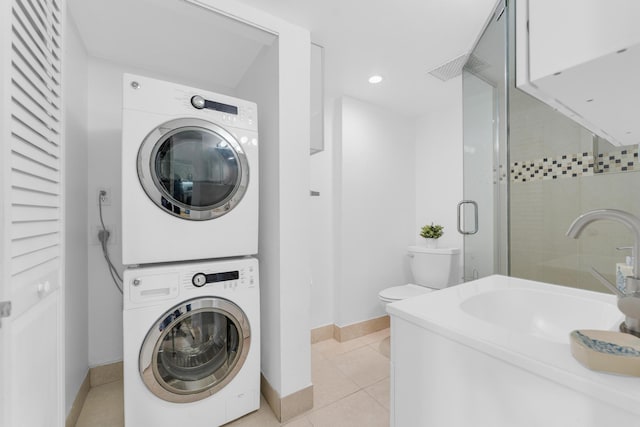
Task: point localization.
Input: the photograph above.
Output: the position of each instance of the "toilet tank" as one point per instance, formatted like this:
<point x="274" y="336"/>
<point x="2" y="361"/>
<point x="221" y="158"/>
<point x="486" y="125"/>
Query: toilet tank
<point x="434" y="268"/>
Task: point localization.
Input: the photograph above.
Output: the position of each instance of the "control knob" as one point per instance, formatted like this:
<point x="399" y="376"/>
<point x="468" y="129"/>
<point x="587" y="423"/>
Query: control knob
<point x="199" y="280"/>
<point x="197" y="101"/>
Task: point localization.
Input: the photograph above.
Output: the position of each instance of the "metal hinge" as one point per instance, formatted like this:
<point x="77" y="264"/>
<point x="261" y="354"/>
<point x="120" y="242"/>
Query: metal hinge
<point x="5" y="309"/>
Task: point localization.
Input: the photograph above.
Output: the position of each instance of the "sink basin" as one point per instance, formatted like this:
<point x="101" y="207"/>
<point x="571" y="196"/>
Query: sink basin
<point x="542" y="314"/>
<point x="495" y="353"/>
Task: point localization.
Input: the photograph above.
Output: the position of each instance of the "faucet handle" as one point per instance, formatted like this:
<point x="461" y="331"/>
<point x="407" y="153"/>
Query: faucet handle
<point x="606" y="282"/>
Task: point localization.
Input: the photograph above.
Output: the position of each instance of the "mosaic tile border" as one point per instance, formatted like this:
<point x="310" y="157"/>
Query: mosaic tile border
<point x="618" y="161"/>
<point x="575" y="165"/>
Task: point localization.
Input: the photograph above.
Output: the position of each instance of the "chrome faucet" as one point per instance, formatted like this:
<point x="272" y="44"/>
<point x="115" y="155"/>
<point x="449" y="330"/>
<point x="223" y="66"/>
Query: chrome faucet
<point x="629" y="300"/>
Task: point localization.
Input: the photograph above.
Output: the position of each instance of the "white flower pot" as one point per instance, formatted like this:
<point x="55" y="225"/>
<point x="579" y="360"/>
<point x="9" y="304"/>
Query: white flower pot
<point x="431" y="243"/>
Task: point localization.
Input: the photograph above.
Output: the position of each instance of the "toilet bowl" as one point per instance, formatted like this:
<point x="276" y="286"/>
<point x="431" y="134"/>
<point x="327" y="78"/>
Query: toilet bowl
<point x="432" y="269"/>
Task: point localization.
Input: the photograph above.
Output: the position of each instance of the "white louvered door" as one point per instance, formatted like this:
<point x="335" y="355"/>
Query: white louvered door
<point x="31" y="217"/>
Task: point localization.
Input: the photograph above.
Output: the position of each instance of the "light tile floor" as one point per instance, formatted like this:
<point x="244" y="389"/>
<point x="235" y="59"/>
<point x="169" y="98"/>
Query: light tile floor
<point x="350" y="389"/>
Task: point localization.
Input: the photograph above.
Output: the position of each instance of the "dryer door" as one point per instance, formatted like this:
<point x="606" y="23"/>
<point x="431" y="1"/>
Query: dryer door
<point x="195" y="349"/>
<point x="193" y="169"/>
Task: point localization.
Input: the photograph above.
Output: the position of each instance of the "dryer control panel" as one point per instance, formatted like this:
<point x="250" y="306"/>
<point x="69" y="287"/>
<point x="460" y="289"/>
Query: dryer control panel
<point x="240" y="113"/>
<point x="165" y="98"/>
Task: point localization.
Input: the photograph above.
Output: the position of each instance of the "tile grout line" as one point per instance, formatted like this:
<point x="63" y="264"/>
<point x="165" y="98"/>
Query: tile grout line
<point x="372" y="396"/>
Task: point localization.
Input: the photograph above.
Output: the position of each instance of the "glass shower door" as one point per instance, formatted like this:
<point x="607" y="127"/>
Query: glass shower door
<point x="482" y="213"/>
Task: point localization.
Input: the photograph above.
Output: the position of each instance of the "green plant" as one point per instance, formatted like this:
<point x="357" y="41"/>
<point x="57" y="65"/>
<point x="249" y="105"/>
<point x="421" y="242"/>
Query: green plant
<point x="432" y="231"/>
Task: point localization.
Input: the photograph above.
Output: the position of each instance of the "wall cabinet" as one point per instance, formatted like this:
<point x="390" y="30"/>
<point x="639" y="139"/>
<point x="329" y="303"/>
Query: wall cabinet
<point x="582" y="57"/>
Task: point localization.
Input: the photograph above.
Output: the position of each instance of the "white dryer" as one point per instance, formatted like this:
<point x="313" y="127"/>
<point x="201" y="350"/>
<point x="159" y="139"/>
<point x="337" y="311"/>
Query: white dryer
<point x="191" y="343"/>
<point x="189" y="173"/>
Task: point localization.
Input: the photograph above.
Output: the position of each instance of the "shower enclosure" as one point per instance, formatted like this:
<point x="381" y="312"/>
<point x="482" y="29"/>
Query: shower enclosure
<point x="531" y="171"/>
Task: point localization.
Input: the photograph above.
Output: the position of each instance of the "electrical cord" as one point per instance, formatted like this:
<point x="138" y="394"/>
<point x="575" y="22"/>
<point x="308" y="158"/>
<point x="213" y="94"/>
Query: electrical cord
<point x="103" y="236"/>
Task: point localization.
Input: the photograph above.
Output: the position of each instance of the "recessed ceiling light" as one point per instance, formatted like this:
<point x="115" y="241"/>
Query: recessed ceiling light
<point x="375" y="79"/>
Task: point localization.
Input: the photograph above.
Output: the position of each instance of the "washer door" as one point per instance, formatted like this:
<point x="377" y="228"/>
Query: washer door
<point x="193" y="169"/>
<point x="195" y="349"/>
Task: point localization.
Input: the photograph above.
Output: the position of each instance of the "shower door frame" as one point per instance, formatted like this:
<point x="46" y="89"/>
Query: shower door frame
<point x="499" y="242"/>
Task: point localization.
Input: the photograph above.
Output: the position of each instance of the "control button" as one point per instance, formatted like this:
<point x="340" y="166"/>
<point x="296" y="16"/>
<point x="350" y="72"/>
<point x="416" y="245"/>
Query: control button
<point x="198" y="102"/>
<point x="199" y="280"/>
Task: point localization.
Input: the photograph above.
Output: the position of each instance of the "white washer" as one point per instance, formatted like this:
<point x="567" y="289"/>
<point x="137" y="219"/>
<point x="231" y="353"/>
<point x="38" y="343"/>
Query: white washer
<point x="191" y="343"/>
<point x="189" y="173"/>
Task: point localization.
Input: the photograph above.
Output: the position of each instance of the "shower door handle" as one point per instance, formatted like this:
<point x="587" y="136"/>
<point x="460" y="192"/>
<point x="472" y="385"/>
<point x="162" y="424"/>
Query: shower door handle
<point x="475" y="217"/>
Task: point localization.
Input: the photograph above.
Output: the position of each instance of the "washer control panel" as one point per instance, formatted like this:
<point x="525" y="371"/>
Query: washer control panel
<point x="201" y="279"/>
<point x="244" y="278"/>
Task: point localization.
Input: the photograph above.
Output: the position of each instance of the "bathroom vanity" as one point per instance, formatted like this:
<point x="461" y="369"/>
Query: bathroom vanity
<point x="495" y="352"/>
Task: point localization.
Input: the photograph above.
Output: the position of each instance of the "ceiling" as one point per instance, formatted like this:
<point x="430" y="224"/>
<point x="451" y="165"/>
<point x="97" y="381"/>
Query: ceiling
<point x="170" y="37"/>
<point x="361" y="37"/>
<point x="401" y="40"/>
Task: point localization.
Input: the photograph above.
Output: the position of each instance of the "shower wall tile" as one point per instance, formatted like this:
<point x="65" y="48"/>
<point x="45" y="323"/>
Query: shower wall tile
<point x="527" y="222"/>
<point x="619" y="161"/>
<point x="545" y="266"/>
<point x="560" y="206"/>
<point x="574" y="165"/>
<point x="536" y="129"/>
<point x="541" y="211"/>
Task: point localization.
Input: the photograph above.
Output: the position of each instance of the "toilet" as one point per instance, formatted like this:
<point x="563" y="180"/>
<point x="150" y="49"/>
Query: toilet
<point x="432" y="269"/>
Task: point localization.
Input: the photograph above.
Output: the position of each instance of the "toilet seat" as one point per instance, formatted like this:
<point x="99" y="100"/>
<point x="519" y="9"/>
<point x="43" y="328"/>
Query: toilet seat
<point x="398" y="293"/>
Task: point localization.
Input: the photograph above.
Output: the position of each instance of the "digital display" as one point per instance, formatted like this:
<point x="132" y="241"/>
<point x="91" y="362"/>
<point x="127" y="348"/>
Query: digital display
<point x="218" y="106"/>
<point x="223" y="277"/>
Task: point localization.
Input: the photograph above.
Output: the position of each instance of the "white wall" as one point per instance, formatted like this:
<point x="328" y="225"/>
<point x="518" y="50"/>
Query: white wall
<point x="105" y="301"/>
<point x="320" y="227"/>
<point x="295" y="277"/>
<point x="76" y="273"/>
<point x="438" y="165"/>
<point x="260" y="85"/>
<point x="374" y="206"/>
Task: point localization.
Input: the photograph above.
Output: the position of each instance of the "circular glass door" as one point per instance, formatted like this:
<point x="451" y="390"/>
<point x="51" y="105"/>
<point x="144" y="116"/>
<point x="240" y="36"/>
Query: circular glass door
<point x="193" y="169"/>
<point x="195" y="349"/>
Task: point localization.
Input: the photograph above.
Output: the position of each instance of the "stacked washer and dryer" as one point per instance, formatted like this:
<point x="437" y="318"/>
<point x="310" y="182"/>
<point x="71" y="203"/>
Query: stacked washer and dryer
<point x="191" y="312"/>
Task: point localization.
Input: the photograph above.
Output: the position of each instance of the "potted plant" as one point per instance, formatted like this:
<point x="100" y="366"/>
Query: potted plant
<point x="431" y="234"/>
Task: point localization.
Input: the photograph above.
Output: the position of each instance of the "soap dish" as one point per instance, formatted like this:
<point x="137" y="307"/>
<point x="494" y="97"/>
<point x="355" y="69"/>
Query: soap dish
<point x="607" y="351"/>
